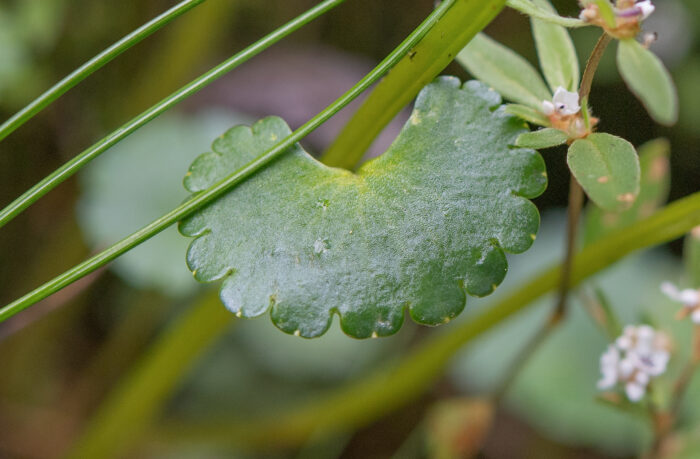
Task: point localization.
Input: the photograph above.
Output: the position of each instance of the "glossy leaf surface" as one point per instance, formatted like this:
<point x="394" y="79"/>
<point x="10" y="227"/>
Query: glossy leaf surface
<point x="414" y="229"/>
<point x="607" y="167"/>
<point x="653" y="192"/>
<point x="649" y="80"/>
<point x="505" y="71"/>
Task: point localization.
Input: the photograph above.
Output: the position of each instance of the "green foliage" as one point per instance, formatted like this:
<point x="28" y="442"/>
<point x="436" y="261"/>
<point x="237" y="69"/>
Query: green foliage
<point x="414" y="229"/>
<point x="118" y="198"/>
<point x="607" y="12"/>
<point x="649" y="80"/>
<point x="544" y="14"/>
<point x="543" y="138"/>
<point x="505" y="71"/>
<point x="691" y="255"/>
<point x="654" y="187"/>
<point x="607" y="168"/>
<point x="556" y="52"/>
<point x="528" y="114"/>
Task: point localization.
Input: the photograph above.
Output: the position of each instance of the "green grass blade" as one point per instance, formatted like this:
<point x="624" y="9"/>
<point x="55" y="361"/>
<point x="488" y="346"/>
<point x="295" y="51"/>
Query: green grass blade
<point x="75" y="164"/>
<point x="93" y="65"/>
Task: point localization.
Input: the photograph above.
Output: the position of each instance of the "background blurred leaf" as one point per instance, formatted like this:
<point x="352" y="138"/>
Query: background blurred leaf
<point x="607" y="167"/>
<point x="649" y="80"/>
<point x="504" y="70"/>
<point x="655" y="183"/>
<point x="456" y="428"/>
<point x="118" y="196"/>
<point x="411" y="229"/>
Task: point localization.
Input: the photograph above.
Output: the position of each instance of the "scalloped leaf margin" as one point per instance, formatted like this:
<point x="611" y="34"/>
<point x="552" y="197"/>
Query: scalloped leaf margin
<point x="415" y="229"/>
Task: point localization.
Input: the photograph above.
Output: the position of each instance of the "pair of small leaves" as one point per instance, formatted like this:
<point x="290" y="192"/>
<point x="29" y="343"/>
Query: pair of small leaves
<point x="414" y="229"/>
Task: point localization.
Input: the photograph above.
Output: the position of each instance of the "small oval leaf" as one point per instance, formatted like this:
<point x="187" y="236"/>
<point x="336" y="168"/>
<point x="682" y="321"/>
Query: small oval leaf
<point x="543" y="138"/>
<point x="505" y="71"/>
<point x="528" y="114"/>
<point x="649" y="80"/>
<point x="415" y="229"/>
<point x="556" y="52"/>
<point x="654" y="188"/>
<point x="607" y="167"/>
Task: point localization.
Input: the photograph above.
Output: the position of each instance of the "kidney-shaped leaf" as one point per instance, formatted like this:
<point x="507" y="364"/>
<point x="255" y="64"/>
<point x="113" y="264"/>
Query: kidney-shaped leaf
<point x="607" y="167"/>
<point x="649" y="80"/>
<point x="413" y="229"/>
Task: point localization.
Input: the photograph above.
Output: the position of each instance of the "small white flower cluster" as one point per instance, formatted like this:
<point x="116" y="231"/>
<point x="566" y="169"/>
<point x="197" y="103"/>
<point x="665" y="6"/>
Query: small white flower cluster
<point x="639" y="355"/>
<point x="690" y="298"/>
<point x="564" y="103"/>
<point x="641" y="9"/>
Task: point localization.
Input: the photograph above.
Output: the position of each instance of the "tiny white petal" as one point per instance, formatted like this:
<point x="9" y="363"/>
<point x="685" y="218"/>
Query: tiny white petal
<point x="646" y="8"/>
<point x="566" y="102"/>
<point x="695" y="316"/>
<point x="547" y="107"/>
<point x="627" y="366"/>
<point x="641" y="378"/>
<point x="689" y="296"/>
<point x="624" y="342"/>
<point x="634" y="391"/>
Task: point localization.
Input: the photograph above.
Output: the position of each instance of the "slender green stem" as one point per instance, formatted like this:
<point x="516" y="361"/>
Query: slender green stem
<point x="198" y="201"/>
<point x="362" y="402"/>
<point x="93" y="65"/>
<point x="75" y="164"/>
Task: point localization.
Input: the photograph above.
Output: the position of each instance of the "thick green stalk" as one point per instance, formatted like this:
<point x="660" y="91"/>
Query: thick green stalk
<point x="369" y="399"/>
<point x="93" y="65"/>
<point x="135" y="403"/>
<point x="403" y="83"/>
<point x="75" y="164"/>
<point x="199" y="200"/>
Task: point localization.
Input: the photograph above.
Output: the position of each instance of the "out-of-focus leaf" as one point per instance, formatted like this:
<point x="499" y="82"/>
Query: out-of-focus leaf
<point x="504" y="70"/>
<point x="414" y="229"/>
<point x="556" y="52"/>
<point x="654" y="186"/>
<point x="607" y="167"/>
<point x="138" y="180"/>
<point x="649" y="80"/>
<point x="456" y="428"/>
<point x="543" y="138"/>
<point x="691" y="256"/>
<point x="528" y="114"/>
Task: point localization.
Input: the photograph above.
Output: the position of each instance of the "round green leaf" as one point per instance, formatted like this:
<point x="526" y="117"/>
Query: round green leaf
<point x="414" y="229"/>
<point x="507" y="72"/>
<point x="607" y="167"/>
<point x="649" y="80"/>
<point x="543" y="138"/>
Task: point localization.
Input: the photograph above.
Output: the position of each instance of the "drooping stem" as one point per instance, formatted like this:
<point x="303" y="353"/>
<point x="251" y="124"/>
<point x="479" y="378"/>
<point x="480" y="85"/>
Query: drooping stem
<point x="93" y="65"/>
<point x="75" y="164"/>
<point x="592" y="65"/>
<point x="200" y="200"/>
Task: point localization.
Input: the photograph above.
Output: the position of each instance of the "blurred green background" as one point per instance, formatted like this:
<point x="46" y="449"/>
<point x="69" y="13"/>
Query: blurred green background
<point x="62" y="359"/>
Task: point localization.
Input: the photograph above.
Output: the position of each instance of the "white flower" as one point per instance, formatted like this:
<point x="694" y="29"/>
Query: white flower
<point x="564" y="103"/>
<point x="690" y="298"/>
<point x="646" y="8"/>
<point x="643" y="9"/>
<point x="639" y="354"/>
